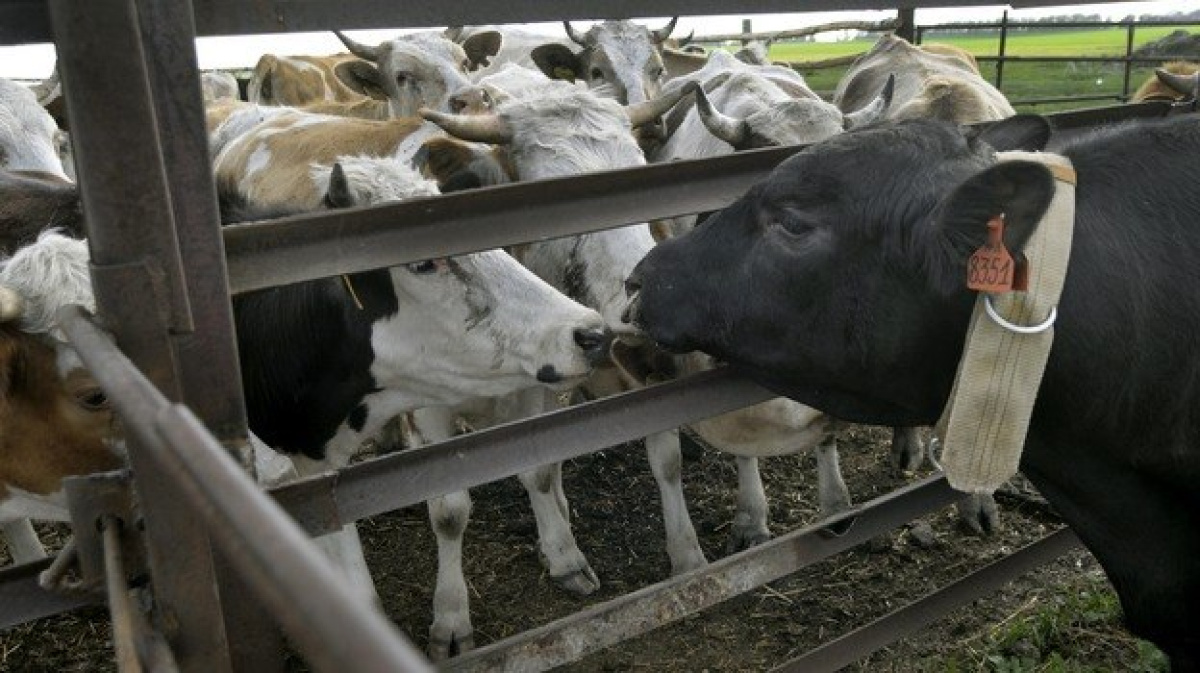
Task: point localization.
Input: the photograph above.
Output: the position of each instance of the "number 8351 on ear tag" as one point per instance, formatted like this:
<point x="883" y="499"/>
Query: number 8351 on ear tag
<point x="991" y="267"/>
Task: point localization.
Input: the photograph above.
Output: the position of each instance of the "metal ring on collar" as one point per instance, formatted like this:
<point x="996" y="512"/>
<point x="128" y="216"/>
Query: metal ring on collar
<point x="1019" y="329"/>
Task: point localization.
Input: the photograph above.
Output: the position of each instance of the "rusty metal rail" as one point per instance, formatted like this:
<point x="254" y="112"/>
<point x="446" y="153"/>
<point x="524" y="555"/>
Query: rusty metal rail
<point x="577" y="635"/>
<point x="328" y="624"/>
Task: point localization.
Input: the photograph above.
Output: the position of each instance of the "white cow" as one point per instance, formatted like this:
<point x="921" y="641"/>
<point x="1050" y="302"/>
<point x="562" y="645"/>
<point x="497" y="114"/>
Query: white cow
<point x="561" y="131"/>
<point x="423" y="70"/>
<point x="30" y="141"/>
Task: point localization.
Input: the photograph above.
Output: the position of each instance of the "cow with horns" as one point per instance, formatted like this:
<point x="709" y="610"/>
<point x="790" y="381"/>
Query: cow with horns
<point x="846" y="289"/>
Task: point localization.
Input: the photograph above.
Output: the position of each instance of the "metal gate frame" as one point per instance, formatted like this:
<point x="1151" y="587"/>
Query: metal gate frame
<point x="229" y="567"/>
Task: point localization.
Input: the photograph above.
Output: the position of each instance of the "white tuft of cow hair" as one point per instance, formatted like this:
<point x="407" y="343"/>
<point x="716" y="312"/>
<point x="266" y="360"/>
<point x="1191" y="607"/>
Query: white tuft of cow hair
<point x="48" y="275"/>
<point x="566" y="131"/>
<point x="375" y="180"/>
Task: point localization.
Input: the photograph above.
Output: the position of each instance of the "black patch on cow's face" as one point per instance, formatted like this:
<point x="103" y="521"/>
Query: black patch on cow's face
<point x="357" y="419"/>
<point x="817" y="280"/>
<point x="305" y="350"/>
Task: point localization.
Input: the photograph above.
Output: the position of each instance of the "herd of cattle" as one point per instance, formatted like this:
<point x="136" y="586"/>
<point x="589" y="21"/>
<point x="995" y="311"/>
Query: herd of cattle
<point x="838" y="316"/>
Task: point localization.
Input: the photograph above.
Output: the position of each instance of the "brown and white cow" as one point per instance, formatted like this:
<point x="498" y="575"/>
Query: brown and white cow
<point x="1174" y="81"/>
<point x="30" y="140"/>
<point x="267" y="155"/>
<point x="55" y="421"/>
<point x="300" y="80"/>
<point x="928" y="84"/>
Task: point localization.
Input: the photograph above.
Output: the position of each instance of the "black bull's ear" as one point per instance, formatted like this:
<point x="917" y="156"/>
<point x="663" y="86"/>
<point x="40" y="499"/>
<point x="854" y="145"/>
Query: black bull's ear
<point x="1020" y="190"/>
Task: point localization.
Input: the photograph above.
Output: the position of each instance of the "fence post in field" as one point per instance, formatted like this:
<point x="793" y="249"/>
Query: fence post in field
<point x="1000" y="53"/>
<point x="1130" y="27"/>
<point x="906" y="18"/>
<point x="747" y="28"/>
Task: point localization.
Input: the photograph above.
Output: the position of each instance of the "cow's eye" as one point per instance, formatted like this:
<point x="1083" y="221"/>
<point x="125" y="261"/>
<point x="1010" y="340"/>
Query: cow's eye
<point x="92" y="399"/>
<point x="422" y="268"/>
<point x="597" y="73"/>
<point x="466" y="65"/>
<point x="402" y="79"/>
<point x="656" y="72"/>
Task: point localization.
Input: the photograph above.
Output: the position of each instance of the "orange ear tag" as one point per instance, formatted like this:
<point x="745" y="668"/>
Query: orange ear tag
<point x="991" y="268"/>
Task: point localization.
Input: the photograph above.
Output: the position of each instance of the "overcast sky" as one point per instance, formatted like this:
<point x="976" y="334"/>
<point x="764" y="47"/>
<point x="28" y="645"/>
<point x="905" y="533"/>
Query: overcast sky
<point x="36" y="61"/>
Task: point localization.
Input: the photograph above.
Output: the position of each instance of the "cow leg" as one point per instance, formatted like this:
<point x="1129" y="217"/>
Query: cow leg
<point x="1145" y="533"/>
<point x="907" y="450"/>
<point x="451" y="632"/>
<point x="750" y="518"/>
<point x="683" y="547"/>
<point x="343" y="547"/>
<point x="23" y="543"/>
<point x="561" y="555"/>
<point x="977" y="513"/>
<point x="832" y="493"/>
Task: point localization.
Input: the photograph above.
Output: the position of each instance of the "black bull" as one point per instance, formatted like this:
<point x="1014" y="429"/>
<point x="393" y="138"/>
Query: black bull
<point x="840" y="282"/>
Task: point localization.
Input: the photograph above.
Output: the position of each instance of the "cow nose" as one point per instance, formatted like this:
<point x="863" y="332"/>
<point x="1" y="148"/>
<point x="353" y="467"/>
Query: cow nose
<point x="471" y="101"/>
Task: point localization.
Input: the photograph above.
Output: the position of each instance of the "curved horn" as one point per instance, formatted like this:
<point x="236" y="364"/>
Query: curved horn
<point x="1184" y="84"/>
<point x="685" y="41"/>
<point x="647" y="112"/>
<point x="663" y="33"/>
<point x="477" y="128"/>
<point x="731" y="130"/>
<point x="359" y="49"/>
<point x="876" y="109"/>
<point x="575" y="37"/>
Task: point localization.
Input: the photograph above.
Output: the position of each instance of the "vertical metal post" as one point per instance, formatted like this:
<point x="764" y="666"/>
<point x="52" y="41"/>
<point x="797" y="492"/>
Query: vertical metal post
<point x="906" y="18"/>
<point x="1129" y="29"/>
<point x="210" y="377"/>
<point x="747" y="28"/>
<point x="136" y="273"/>
<point x="1002" y="51"/>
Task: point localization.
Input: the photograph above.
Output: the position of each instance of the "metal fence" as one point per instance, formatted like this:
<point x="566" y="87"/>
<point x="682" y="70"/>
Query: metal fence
<point x="229" y="568"/>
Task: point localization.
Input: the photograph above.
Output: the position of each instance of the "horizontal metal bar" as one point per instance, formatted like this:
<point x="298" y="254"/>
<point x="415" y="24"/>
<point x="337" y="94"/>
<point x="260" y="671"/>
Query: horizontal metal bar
<point x="313" y="604"/>
<point x="325" y="502"/>
<point x="888" y="629"/>
<point x="22" y="599"/>
<point x="24" y="21"/>
<point x="1053" y="26"/>
<point x="335" y="627"/>
<point x="1084" y="59"/>
<point x="325" y="244"/>
<point x="579" y="634"/>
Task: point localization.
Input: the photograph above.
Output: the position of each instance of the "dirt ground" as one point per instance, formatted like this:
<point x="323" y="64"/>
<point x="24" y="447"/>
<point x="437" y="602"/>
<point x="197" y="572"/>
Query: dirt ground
<point x="619" y="526"/>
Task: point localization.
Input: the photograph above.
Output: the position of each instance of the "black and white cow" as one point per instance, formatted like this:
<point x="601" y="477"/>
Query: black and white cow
<point x="844" y="288"/>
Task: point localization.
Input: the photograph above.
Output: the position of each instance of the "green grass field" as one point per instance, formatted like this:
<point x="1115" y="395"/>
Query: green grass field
<point x="1021" y="80"/>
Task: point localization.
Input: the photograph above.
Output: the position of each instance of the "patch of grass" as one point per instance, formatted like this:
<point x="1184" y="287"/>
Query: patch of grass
<point x="1074" y="629"/>
<point x="1021" y="80"/>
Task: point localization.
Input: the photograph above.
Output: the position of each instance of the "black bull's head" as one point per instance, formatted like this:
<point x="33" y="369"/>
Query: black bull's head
<point x="838" y="280"/>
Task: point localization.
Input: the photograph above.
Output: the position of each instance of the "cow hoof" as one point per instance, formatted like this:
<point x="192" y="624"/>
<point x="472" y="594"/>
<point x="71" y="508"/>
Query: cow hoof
<point x="741" y="539"/>
<point x="692" y="562"/>
<point x="978" y="515"/>
<point x="442" y="646"/>
<point x="580" y="582"/>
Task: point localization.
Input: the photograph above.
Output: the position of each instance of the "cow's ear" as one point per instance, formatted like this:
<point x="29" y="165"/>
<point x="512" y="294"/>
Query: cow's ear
<point x="557" y="61"/>
<point x="482" y="46"/>
<point x="456" y="165"/>
<point x="338" y="195"/>
<point x="361" y="76"/>
<point x="1026" y="132"/>
<point x="1020" y="190"/>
